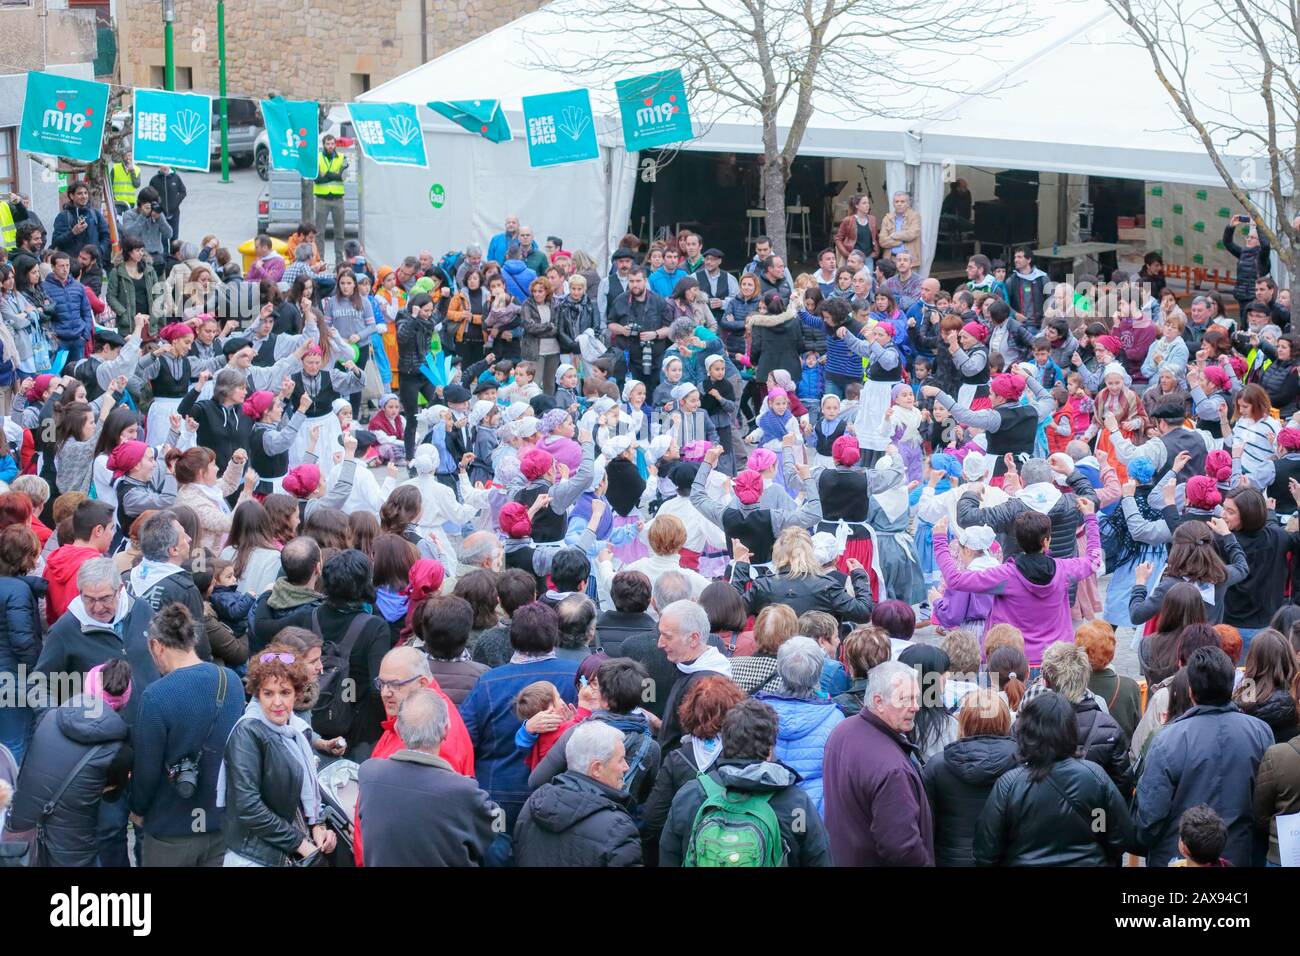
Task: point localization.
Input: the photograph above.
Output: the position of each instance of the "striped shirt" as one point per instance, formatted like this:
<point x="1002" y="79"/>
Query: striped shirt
<point x="1258" y="440"/>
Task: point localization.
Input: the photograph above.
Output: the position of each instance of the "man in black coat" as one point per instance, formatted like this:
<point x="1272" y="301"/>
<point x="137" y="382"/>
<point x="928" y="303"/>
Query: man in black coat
<point x="582" y="817"/>
<point x="171" y="193"/>
<point x="416" y="809"/>
<point x="641" y="309"/>
<point x="630" y="592"/>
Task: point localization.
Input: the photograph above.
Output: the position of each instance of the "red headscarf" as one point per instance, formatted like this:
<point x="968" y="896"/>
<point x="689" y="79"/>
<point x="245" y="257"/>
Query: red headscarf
<point x="1203" y="493"/>
<point x="256" y="405"/>
<point x="1218" y="465"/>
<point x="125" y="457"/>
<point x="302" y="481"/>
<point x="39" y="384"/>
<point x="1216" y="377"/>
<point x="748" y="486"/>
<point x="535" y="463"/>
<point x="1008" y="386"/>
<point x="889" y="327"/>
<point x="177" y="330"/>
<point x="1289" y="438"/>
<point x="515" y="522"/>
<point x="845" y="451"/>
<point x="427" y="575"/>
<point x="976" y="331"/>
<point x="761" y="459"/>
<point x="1111" y="344"/>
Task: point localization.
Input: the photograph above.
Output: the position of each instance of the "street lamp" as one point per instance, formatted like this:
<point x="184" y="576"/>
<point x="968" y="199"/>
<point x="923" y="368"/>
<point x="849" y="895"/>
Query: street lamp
<point x="169" y="54"/>
<point x="221" y="72"/>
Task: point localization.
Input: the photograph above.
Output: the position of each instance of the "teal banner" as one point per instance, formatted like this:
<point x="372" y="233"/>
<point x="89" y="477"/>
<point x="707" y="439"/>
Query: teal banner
<point x="654" y="110"/>
<point x="389" y="133"/>
<point x="173" y="129"/>
<point x="484" y="117"/>
<point x="63" y="117"/>
<point x="292" y="128"/>
<point x="561" y="128"/>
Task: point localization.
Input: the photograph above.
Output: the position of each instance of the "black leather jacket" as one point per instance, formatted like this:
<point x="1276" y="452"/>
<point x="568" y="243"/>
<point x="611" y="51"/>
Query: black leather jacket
<point x="572" y="319"/>
<point x="1054" y="822"/>
<point x="263" y="786"/>
<point x="821" y="593"/>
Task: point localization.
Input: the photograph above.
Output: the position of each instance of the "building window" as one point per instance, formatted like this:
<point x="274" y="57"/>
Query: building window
<point x="360" y="84"/>
<point x="158" y="77"/>
<point x="8" y="168"/>
<point x="15" y="3"/>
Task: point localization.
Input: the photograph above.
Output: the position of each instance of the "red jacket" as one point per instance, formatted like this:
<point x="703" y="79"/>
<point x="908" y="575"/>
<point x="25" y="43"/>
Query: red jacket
<point x="382" y="423"/>
<point x="61" y="573"/>
<point x="41" y="532"/>
<point x="549" y="739"/>
<point x="456" y="749"/>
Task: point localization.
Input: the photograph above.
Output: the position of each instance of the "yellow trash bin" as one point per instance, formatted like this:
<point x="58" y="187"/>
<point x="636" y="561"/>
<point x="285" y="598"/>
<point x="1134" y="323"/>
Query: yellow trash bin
<point x="247" y="251"/>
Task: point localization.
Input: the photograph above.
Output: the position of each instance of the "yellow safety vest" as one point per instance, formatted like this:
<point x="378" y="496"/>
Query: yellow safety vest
<point x="8" y="231"/>
<point x="123" y="185"/>
<point x="326" y="165"/>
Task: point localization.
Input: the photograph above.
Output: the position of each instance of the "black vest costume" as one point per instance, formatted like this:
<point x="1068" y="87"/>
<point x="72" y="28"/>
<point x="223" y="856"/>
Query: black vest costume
<point x="845" y="493"/>
<point x="167" y="385"/>
<point x="1016" y="435"/>
<point x="753" y="529"/>
<point x="548" y="524"/>
<point x="1279" y="490"/>
<point x="268" y="467"/>
<point x="877" y="374"/>
<point x="85" y="372"/>
<point x="1185" y="439"/>
<point x="321" y="404"/>
<point x="265" y="357"/>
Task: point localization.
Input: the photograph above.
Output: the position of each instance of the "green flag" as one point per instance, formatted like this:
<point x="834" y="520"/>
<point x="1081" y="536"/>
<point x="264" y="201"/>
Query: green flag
<point x="291" y="128"/>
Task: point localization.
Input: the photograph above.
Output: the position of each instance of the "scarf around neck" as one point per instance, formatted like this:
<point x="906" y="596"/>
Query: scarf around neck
<point x="293" y="737"/>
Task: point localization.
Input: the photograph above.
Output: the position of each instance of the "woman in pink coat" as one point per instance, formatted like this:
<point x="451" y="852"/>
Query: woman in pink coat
<point x="1032" y="590"/>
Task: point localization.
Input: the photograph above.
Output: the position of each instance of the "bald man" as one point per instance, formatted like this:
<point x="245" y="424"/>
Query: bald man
<point x="403" y="671"/>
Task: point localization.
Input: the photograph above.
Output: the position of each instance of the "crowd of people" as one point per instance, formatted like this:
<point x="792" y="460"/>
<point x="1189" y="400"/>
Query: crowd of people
<point x="514" y="557"/>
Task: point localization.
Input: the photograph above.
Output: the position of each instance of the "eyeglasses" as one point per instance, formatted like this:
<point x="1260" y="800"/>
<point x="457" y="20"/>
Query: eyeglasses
<point x="282" y="657"/>
<point x="382" y="685"/>
<point x="100" y="601"/>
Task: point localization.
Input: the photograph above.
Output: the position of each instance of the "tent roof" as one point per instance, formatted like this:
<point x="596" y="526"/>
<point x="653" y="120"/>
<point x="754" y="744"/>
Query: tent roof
<point x="1067" y="97"/>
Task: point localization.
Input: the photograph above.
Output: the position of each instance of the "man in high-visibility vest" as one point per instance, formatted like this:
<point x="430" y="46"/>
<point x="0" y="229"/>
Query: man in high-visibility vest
<point x="11" y="214"/>
<point x="328" y="193"/>
<point x="126" y="180"/>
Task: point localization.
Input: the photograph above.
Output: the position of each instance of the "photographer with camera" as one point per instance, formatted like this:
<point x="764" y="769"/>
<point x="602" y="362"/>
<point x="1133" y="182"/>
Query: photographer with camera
<point x="179" y="735"/>
<point x="147" y="223"/>
<point x="638" y="324"/>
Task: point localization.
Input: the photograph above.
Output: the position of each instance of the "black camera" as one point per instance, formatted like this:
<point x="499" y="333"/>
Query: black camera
<point x="183" y="775"/>
<point x="647" y="349"/>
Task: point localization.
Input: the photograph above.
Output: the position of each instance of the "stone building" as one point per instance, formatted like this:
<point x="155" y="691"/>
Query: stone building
<point x="55" y="36"/>
<point x="329" y="50"/>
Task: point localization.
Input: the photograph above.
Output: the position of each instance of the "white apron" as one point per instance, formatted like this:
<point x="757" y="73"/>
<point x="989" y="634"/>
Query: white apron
<point x="872" y="428"/>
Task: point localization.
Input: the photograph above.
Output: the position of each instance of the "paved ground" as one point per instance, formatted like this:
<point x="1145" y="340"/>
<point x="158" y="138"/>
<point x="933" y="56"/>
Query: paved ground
<point x="227" y="210"/>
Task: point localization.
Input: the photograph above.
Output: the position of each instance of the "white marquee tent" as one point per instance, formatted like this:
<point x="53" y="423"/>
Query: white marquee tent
<point x="1072" y="96"/>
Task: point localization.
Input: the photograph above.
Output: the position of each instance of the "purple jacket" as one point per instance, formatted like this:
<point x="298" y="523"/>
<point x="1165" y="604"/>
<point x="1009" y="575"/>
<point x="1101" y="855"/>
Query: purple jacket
<point x="877" y="812"/>
<point x="1040" y="611"/>
<point x="956" y="607"/>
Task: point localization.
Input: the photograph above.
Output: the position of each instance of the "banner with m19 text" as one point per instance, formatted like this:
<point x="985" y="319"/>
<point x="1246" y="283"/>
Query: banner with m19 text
<point x="654" y="110"/>
<point x="64" y="117"/>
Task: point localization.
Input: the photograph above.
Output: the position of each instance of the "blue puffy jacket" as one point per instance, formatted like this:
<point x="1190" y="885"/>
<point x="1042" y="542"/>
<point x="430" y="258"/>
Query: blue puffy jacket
<point x="518" y="277"/>
<point x="734" y="313"/>
<point x="20" y="633"/>
<point x="801" y="738"/>
<point x="72" y="318"/>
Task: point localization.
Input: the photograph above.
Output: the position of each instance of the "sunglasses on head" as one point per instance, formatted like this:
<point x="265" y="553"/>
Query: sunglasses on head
<point x="282" y="657"/>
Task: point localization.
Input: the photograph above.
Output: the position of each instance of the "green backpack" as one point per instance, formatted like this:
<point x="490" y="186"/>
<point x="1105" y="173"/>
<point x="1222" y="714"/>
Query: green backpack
<point x="734" y="830"/>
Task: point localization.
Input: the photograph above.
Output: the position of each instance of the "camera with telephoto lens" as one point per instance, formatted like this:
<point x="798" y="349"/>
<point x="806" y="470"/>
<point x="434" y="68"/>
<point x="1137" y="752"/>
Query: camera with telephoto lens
<point x="647" y="349"/>
<point x="183" y="775"/>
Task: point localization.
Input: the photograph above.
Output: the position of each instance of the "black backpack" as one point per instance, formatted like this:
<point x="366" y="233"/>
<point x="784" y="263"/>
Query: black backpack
<point x="335" y="708"/>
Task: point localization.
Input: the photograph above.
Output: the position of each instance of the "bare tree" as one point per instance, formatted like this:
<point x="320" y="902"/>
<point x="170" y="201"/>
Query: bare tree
<point x="1215" y="57"/>
<point x="778" y="62"/>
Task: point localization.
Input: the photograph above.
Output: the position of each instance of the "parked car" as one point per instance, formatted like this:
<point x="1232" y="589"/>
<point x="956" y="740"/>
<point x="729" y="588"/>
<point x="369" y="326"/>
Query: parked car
<point x="279" y="207"/>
